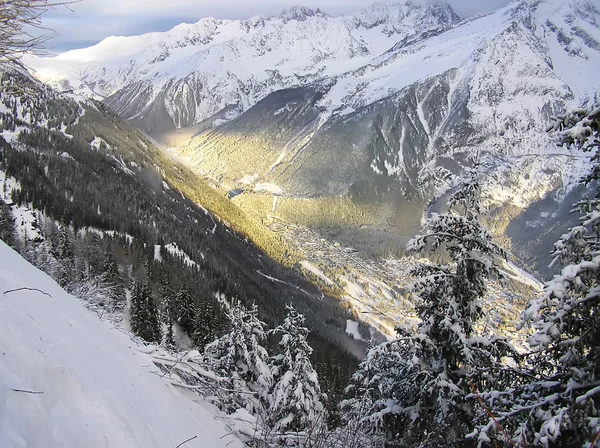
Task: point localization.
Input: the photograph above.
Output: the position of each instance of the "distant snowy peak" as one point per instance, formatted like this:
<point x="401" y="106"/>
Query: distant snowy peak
<point x="195" y="72"/>
<point x="399" y="15"/>
<point x="299" y="13"/>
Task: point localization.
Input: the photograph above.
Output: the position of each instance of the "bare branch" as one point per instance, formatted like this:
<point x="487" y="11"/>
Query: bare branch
<point x="186" y="441"/>
<point x="21" y="29"/>
<point x="489" y="413"/>
<point x="595" y="438"/>
<point x="176" y="362"/>
<point x="25" y="288"/>
<point x="28" y="391"/>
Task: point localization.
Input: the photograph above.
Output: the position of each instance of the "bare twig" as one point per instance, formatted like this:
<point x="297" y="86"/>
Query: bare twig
<point x="489" y="413"/>
<point x="21" y="28"/>
<point x="595" y="439"/>
<point x="25" y="288"/>
<point x="186" y="441"/>
<point x="227" y="435"/>
<point x="34" y="392"/>
<point x="177" y="362"/>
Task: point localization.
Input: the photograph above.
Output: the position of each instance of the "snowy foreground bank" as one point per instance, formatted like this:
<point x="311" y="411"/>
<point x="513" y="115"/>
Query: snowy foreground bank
<point x="69" y="380"/>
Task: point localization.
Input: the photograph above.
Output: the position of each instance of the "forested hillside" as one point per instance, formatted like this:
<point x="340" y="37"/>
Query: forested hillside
<point x="95" y="195"/>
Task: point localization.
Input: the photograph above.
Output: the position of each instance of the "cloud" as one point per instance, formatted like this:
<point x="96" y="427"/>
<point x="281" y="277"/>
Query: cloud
<point x="90" y="21"/>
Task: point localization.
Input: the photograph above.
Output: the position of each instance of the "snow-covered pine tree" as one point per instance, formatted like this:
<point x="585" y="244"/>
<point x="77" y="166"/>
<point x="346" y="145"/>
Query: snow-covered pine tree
<point x="137" y="310"/>
<point x="415" y="389"/>
<point x="168" y="308"/>
<point x="204" y="324"/>
<point x="153" y="323"/>
<point x="374" y="380"/>
<point x="186" y="311"/>
<point x="240" y="356"/>
<point x="113" y="278"/>
<point x="7" y="224"/>
<point x="558" y="403"/>
<point x="94" y="255"/>
<point x="144" y="314"/>
<point x="66" y="257"/>
<point x="296" y="399"/>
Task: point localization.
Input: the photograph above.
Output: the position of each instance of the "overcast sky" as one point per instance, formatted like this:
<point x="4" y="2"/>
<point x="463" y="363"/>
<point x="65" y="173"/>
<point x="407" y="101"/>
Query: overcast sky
<point x="90" y="21"/>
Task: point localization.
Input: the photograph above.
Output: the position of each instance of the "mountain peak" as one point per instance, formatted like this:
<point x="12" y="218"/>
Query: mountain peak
<point x="379" y="13"/>
<point x="299" y="13"/>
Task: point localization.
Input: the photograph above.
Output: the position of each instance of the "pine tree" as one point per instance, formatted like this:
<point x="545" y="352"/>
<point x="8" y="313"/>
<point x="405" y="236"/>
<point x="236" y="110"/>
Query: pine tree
<point x="240" y="356"/>
<point x="186" y="311"/>
<point x="144" y="314"/>
<point x="95" y="255"/>
<point x="296" y="398"/>
<point x="113" y="277"/>
<point x="65" y="248"/>
<point x="415" y="389"/>
<point x="66" y="267"/>
<point x="204" y="324"/>
<point x="7" y="224"/>
<point x="168" y="311"/>
<point x="375" y="379"/>
<point x="153" y="324"/>
<point x="557" y="402"/>
<point x="137" y="310"/>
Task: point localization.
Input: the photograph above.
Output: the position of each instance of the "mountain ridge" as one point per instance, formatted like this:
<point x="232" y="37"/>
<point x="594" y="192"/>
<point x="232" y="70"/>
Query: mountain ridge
<point x="329" y="109"/>
<point x="183" y="76"/>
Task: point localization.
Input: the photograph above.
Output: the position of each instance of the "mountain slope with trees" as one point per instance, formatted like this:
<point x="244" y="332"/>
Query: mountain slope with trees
<point x="84" y="185"/>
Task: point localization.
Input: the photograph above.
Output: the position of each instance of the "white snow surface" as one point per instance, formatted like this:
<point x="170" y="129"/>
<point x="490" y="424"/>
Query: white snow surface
<point x="96" y="388"/>
<point x="352" y="329"/>
<point x="516" y="273"/>
<point x="269" y="188"/>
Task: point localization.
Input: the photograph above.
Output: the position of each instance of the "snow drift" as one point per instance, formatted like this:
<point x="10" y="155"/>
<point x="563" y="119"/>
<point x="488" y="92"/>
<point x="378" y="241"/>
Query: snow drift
<point x="93" y="386"/>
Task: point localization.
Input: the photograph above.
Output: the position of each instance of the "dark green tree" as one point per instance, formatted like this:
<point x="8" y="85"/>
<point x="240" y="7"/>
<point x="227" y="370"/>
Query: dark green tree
<point x="7" y="224"/>
<point x="205" y="330"/>
<point x="144" y="314"/>
<point x="113" y="277"/>
<point x="66" y="258"/>
<point x="137" y="310"/>
<point x="168" y="308"/>
<point x="186" y="312"/>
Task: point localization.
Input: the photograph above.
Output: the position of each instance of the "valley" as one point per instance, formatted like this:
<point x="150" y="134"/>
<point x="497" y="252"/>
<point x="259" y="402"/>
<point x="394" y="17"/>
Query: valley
<point x="355" y="231"/>
<point x="352" y="131"/>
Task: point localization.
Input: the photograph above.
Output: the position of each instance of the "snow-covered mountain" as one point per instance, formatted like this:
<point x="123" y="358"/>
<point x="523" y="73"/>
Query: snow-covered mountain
<point x="487" y="84"/>
<point x="439" y="84"/>
<point x="188" y="74"/>
<point x="365" y="107"/>
<point x="68" y="379"/>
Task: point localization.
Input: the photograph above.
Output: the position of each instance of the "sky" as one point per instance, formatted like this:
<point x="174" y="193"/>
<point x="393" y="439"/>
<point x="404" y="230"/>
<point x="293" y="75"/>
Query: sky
<point x="87" y="22"/>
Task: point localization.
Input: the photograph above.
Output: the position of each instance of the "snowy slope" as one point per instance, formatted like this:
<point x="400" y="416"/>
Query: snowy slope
<point x="96" y="388"/>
